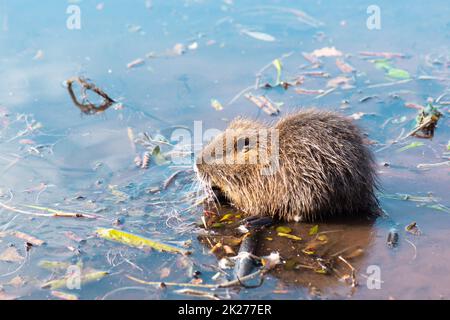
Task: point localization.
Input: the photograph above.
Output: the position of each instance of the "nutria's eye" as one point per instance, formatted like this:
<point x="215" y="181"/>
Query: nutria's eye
<point x="243" y="144"/>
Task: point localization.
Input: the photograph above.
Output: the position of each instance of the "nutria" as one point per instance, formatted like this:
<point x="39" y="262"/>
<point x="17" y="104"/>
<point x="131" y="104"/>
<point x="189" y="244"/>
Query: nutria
<point x="324" y="168"/>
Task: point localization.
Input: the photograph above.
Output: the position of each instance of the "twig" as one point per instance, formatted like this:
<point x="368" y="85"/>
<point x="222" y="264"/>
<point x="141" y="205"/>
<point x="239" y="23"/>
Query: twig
<point x="197" y="293"/>
<point x="228" y="284"/>
<point x="414" y="247"/>
<point x="353" y="275"/>
<point x="432" y="165"/>
<point x="85" y="106"/>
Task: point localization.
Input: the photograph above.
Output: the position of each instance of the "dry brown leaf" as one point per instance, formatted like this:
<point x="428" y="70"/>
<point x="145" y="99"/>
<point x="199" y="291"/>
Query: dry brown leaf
<point x="11" y="255"/>
<point x="17" y="282"/>
<point x="6" y="296"/>
<point x="344" y="67"/>
<point x="164" y="273"/>
<point x="263" y="103"/>
<point x="327" y="52"/>
<point x="338" y="81"/>
<point x="33" y="240"/>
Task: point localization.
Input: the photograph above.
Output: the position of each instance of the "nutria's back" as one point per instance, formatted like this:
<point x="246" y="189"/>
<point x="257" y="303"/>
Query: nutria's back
<point x="323" y="167"/>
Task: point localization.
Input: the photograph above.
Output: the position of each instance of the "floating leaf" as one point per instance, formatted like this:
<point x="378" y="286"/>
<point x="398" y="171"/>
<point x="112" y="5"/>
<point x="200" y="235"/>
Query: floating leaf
<point x="158" y="156"/>
<point x="53" y="265"/>
<point x="11" y="255"/>
<point x="259" y="35"/>
<point x="136" y="241"/>
<point x="263" y="103"/>
<point x="16" y="282"/>
<point x="216" y="104"/>
<point x="92" y="276"/>
<point x="289" y="236"/>
<point x="64" y="295"/>
<point x="382" y="64"/>
<point x="344" y="67"/>
<point x="398" y="74"/>
<point x="283" y="229"/>
<point x="227" y="217"/>
<point x="308" y="251"/>
<point x="327" y="52"/>
<point x="121" y="196"/>
<point x="314" y="230"/>
<point x="412" y="145"/>
<point x="217" y="225"/>
<point x="34" y="241"/>
<point x="277" y="64"/>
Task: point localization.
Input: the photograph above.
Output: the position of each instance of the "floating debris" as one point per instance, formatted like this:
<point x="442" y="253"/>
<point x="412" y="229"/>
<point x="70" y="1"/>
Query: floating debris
<point x="136" y="241"/>
<point x="387" y="55"/>
<point x="326" y="52"/>
<point x="344" y="67"/>
<point x="136" y="63"/>
<point x="258" y="35"/>
<point x="11" y="254"/>
<point x="392" y="239"/>
<point x="413" y="228"/>
<point x="85" y="105"/>
<point x="264" y="104"/>
<point x="412" y="145"/>
<point x="426" y="122"/>
<point x="216" y="104"/>
<point x="64" y="295"/>
<point x="86" y="277"/>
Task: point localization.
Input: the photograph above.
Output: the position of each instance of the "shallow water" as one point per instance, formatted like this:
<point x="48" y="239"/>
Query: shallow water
<point x="76" y="162"/>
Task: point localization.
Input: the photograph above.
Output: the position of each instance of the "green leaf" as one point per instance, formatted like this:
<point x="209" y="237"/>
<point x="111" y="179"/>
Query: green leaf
<point x="136" y="241"/>
<point x="283" y="229"/>
<point x="448" y="145"/>
<point x="314" y="230"/>
<point x="158" y="157"/>
<point x="398" y="73"/>
<point x="277" y="64"/>
<point x="382" y="64"/>
<point x="412" y="145"/>
<point x="53" y="265"/>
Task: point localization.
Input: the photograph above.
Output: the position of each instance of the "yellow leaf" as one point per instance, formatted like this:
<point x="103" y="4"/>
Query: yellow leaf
<point x="227" y="217"/>
<point x="314" y="230"/>
<point x="136" y="241"/>
<point x="283" y="229"/>
<point x="277" y="64"/>
<point x="290" y="236"/>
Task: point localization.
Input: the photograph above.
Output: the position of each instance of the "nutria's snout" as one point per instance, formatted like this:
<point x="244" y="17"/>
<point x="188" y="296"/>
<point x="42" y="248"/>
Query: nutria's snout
<point x="325" y="169"/>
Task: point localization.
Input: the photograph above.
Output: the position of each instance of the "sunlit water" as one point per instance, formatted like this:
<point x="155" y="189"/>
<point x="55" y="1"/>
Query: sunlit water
<point x="76" y="162"/>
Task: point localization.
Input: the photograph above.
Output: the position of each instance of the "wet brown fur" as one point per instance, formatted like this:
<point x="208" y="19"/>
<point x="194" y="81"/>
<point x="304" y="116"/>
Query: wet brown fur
<point x="325" y="170"/>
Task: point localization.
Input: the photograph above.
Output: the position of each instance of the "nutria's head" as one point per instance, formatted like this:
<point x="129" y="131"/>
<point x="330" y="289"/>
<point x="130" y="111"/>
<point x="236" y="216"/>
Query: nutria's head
<point x="229" y="162"/>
